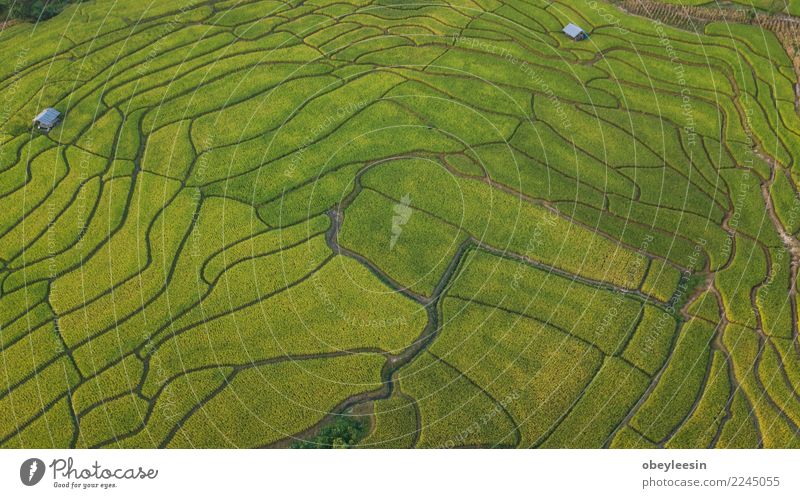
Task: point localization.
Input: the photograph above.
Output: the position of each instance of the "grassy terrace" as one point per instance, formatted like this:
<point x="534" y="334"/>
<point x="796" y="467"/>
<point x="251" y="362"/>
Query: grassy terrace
<point x="447" y="219"/>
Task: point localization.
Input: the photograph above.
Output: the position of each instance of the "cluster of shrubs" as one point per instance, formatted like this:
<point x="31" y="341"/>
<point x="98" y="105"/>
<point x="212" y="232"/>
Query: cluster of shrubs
<point x="32" y="10"/>
<point x="343" y="432"/>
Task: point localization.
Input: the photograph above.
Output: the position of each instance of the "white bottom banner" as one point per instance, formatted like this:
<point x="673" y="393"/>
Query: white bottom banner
<point x="334" y="473"/>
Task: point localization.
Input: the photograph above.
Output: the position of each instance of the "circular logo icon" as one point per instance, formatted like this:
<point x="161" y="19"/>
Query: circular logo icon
<point x="31" y="471"/>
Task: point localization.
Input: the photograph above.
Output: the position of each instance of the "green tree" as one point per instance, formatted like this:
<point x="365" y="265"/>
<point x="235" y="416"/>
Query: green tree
<point x="32" y="10"/>
<point x="343" y="432"/>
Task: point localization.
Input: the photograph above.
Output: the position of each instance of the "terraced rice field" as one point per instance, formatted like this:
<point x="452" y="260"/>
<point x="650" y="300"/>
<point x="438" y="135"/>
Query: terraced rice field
<point x="445" y="220"/>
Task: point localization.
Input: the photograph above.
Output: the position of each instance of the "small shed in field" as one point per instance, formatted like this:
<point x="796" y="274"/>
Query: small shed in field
<point x="47" y="119"/>
<point x="575" y="32"/>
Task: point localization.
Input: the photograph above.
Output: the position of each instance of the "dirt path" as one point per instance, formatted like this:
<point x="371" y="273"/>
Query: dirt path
<point x="394" y="362"/>
<point x="431" y="304"/>
<point x="8" y="24"/>
<point x="790" y="242"/>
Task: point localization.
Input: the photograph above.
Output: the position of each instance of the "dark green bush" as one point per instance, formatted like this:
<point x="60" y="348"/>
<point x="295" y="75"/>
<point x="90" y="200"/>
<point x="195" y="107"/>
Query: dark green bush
<point x="343" y="432"/>
<point x="32" y="10"/>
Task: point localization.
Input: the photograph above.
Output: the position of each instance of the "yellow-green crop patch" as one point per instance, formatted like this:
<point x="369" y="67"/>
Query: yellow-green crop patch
<point x="680" y="383"/>
<point x="450" y="221"/>
<point x="278" y="399"/>
<point x="394" y="423"/>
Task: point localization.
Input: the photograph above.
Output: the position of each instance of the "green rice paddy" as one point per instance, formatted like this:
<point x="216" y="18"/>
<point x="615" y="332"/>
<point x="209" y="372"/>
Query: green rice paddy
<point x="446" y="220"/>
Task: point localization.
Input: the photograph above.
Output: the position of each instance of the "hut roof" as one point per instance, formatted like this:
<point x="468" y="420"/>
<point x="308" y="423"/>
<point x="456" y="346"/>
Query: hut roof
<point x="573" y="31"/>
<point x="48" y="117"/>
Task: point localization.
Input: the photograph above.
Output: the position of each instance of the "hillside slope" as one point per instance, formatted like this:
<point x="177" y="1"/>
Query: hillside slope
<point x="448" y="216"/>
